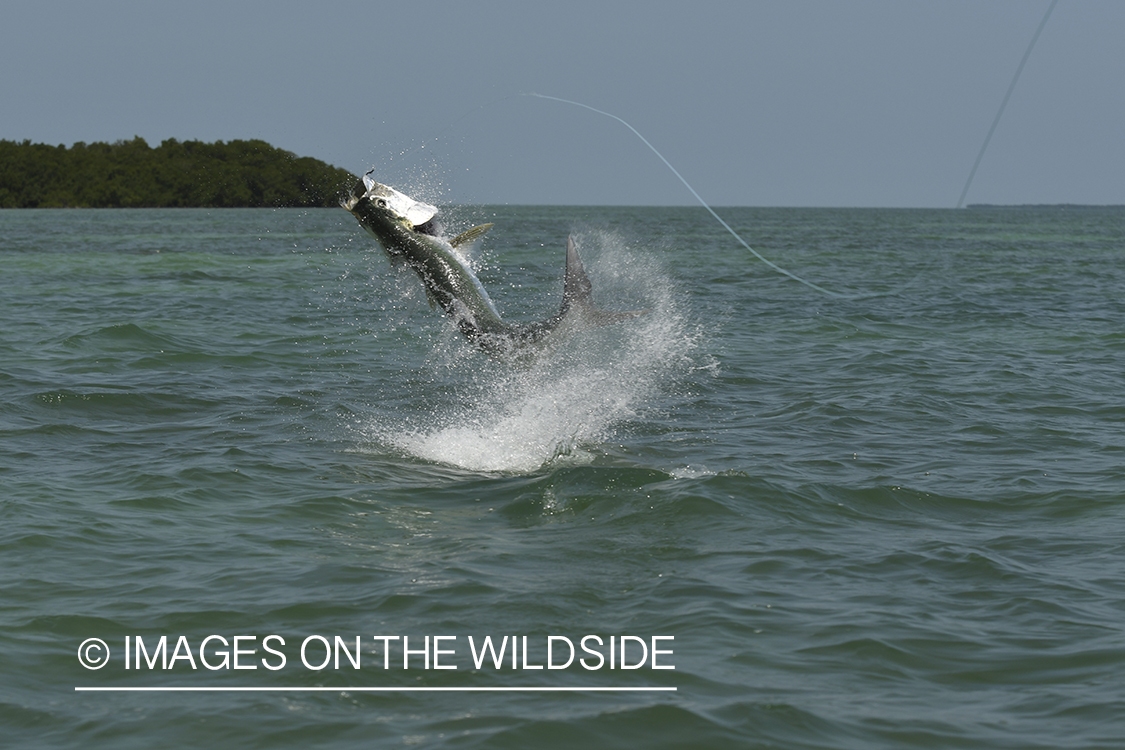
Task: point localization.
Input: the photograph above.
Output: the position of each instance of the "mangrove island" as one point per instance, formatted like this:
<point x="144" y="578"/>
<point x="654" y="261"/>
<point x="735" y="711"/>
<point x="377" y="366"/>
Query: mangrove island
<point x="131" y="174"/>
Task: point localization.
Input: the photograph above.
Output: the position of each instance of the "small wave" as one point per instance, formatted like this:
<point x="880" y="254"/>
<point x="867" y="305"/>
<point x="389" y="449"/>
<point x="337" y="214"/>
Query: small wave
<point x="123" y="337"/>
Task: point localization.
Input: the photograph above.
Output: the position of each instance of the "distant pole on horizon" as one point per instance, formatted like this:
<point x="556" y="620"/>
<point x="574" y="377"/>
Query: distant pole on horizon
<point x="1004" y="103"/>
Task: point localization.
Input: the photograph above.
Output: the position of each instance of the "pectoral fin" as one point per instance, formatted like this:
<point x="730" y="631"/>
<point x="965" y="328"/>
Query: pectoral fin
<point x="469" y="236"/>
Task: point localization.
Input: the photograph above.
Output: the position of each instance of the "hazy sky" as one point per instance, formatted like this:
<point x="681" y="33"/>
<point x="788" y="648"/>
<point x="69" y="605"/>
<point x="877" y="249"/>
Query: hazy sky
<point x="795" y="103"/>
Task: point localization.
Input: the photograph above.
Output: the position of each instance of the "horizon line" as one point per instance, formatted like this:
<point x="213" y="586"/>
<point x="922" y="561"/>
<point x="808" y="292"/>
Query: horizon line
<point x="503" y="204"/>
<point x="323" y="689"/>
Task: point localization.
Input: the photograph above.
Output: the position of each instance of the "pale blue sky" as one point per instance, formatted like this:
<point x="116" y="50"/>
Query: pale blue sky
<point x="796" y="103"/>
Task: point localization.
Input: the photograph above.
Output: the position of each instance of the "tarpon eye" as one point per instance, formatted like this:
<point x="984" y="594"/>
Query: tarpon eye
<point x="381" y="202"/>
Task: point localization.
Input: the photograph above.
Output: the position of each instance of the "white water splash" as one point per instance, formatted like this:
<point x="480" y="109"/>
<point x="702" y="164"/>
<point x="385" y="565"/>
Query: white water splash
<point x="574" y="393"/>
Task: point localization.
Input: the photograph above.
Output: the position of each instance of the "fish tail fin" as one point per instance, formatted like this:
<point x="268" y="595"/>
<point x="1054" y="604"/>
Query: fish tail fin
<point x="576" y="284"/>
<point x="577" y="291"/>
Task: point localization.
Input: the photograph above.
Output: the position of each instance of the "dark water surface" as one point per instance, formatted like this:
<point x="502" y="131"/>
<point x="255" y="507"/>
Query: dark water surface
<point x="889" y="521"/>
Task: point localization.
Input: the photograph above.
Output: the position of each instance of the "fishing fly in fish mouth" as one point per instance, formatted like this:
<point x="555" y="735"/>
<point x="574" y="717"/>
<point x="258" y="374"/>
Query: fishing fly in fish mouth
<point x="407" y="231"/>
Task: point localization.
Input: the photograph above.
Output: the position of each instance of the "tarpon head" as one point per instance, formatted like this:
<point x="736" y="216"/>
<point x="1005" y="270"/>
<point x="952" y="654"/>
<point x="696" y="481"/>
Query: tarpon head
<point x="386" y="213"/>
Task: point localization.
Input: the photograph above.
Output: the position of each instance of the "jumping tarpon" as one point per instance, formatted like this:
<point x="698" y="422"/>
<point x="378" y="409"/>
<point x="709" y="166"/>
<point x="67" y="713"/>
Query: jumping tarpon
<point x="409" y="233"/>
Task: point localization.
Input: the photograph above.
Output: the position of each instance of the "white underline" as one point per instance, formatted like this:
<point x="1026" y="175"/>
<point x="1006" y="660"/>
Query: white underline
<point x="220" y="689"/>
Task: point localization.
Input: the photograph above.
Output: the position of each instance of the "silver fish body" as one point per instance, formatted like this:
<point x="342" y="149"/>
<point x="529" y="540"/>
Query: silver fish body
<point x="406" y="229"/>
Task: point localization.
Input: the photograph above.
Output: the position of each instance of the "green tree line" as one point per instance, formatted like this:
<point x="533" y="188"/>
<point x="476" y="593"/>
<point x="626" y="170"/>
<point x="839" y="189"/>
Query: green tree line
<point x="175" y="174"/>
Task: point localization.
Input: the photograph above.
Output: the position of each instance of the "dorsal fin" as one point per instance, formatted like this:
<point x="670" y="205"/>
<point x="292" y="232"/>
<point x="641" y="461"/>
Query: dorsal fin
<point x="470" y="236"/>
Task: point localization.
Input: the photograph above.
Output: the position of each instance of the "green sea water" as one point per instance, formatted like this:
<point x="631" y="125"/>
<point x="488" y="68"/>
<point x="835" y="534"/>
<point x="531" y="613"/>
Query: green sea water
<point x="890" y="520"/>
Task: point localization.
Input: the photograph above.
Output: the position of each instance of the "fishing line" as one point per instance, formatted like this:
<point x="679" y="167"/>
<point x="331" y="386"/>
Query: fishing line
<point x="668" y="164"/>
<point x="1004" y="103"/>
<point x="702" y="202"/>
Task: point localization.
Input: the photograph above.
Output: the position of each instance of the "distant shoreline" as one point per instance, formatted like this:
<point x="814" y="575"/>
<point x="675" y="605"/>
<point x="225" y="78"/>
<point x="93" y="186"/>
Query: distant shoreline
<point x="175" y="174"/>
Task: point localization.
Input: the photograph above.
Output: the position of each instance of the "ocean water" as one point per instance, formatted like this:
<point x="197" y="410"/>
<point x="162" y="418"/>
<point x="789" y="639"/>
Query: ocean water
<point x="893" y="519"/>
